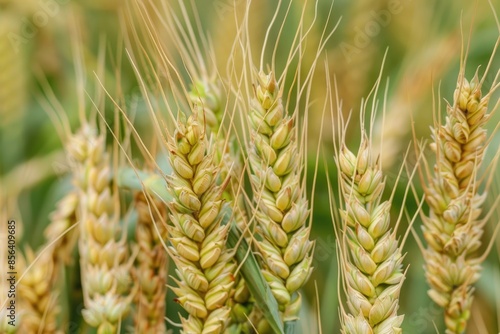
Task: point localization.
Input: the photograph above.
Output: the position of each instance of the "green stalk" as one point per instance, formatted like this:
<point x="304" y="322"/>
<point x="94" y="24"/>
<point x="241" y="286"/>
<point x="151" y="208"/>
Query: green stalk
<point x="290" y="326"/>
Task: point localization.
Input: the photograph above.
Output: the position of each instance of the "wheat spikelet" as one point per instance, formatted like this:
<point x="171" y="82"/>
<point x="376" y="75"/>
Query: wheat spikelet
<point x="371" y="262"/>
<point x="204" y="265"/>
<point x="452" y="229"/>
<point x="207" y="98"/>
<point x="283" y="208"/>
<point x="151" y="268"/>
<point x="106" y="279"/>
<point x="63" y="218"/>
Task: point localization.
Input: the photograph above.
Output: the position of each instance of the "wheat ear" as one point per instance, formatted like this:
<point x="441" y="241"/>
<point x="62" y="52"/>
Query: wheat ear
<point x="371" y="259"/>
<point x="453" y="229"/>
<point x="207" y="98"/>
<point x="106" y="280"/>
<point x="151" y="268"/>
<point x="204" y="265"/>
<point x="283" y="207"/>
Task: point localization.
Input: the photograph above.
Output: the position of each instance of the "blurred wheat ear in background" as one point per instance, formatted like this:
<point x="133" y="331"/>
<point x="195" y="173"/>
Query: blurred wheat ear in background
<point x="104" y="257"/>
<point x="151" y="269"/>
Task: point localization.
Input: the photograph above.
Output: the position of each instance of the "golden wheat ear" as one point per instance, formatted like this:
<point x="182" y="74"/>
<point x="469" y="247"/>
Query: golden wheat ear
<point x="203" y="263"/>
<point x="453" y="228"/>
<point x="282" y="205"/>
<point x="370" y="253"/>
<point x="371" y="258"/>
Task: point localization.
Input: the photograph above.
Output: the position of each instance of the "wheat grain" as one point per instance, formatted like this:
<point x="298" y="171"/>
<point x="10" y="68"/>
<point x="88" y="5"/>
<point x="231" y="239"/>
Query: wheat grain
<point x="371" y="260"/>
<point x="206" y="97"/>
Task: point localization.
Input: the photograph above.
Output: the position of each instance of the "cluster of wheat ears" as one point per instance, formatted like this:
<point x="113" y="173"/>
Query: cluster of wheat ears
<point x="218" y="195"/>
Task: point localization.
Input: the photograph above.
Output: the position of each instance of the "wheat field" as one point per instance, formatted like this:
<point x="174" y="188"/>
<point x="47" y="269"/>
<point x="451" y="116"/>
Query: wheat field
<point x="249" y="166"/>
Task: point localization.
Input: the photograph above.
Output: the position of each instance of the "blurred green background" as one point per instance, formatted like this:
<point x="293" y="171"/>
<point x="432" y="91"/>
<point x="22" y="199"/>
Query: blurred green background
<point x="423" y="40"/>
